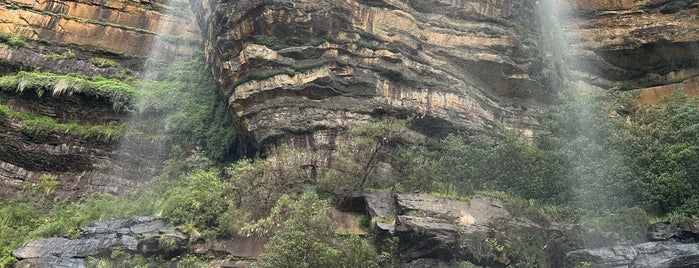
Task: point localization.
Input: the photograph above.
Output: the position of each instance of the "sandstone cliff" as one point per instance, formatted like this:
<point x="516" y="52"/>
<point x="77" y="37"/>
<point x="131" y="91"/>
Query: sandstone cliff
<point x="291" y="68"/>
<point x="72" y="37"/>
<point x="636" y="44"/>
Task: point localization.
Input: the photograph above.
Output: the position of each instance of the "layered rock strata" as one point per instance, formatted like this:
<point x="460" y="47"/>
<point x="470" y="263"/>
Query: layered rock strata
<point x="87" y="39"/>
<point x="291" y="68"/>
<point x="128" y="27"/>
<point x="635" y="44"/>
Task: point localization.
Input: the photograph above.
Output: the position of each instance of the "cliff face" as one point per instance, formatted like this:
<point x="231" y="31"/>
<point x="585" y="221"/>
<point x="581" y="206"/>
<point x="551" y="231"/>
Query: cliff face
<point x="292" y="68"/>
<point x="629" y="44"/>
<point x="127" y="27"/>
<point x="67" y="128"/>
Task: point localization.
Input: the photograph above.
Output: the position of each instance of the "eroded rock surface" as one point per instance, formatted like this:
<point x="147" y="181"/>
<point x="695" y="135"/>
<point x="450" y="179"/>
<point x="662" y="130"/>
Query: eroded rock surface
<point x="142" y="235"/>
<point x="646" y="255"/>
<point x="296" y="67"/>
<point x="635" y="44"/>
<point x="436" y="232"/>
<point x="126" y="27"/>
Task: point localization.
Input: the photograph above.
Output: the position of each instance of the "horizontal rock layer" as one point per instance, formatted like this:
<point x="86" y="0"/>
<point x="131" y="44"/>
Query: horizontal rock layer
<point x="65" y="37"/>
<point x="128" y="27"/>
<point x="634" y="44"/>
<point x="295" y="67"/>
<point x="434" y="232"/>
<point x="141" y="235"/>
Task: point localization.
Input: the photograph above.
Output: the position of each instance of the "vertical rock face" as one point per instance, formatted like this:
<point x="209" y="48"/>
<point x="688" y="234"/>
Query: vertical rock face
<point x="302" y="67"/>
<point x="636" y="44"/>
<point x="127" y="27"/>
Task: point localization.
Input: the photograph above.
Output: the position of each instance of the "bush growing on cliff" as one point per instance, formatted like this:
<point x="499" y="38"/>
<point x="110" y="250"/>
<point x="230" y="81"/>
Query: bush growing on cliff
<point x="13" y="40"/>
<point x="258" y="184"/>
<point x="358" y="164"/>
<point x="461" y="165"/>
<point x="306" y="238"/>
<point x="663" y="143"/>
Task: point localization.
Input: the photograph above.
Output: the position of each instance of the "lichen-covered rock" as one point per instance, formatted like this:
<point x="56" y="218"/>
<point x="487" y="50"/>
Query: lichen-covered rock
<point x="296" y="67"/>
<point x="142" y="235"/>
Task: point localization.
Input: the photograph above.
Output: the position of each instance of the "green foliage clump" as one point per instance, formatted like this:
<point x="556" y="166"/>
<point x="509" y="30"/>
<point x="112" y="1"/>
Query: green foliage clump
<point x="461" y="165"/>
<point x="31" y="123"/>
<point x="306" y="238"/>
<point x="103" y="62"/>
<point x="118" y="93"/>
<point x="13" y="40"/>
<point x="665" y="149"/>
<point x="357" y="165"/>
<point x="259" y="184"/>
<point x="185" y="106"/>
<point x="198" y="198"/>
<point x="68" y="54"/>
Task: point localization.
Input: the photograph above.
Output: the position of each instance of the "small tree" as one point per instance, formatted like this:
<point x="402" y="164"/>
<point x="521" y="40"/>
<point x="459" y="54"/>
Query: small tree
<point x="306" y="235"/>
<point x="355" y="164"/>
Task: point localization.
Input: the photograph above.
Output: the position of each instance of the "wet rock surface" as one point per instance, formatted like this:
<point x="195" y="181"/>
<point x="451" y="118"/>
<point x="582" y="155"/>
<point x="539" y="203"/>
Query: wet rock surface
<point x="645" y="255"/>
<point x="670" y="245"/>
<point x="149" y="236"/>
<point x="437" y="232"/>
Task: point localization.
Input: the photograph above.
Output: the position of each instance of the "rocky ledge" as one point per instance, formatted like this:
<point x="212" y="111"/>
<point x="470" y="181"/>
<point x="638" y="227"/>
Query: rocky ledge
<point x="435" y="232"/>
<point x="148" y="236"/>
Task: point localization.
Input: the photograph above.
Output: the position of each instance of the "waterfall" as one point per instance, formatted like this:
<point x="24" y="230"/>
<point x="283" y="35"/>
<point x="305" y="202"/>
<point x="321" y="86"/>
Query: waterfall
<point x="146" y="145"/>
<point x="595" y="163"/>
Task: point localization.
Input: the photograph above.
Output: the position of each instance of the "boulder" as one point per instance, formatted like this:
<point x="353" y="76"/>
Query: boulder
<point x="480" y="231"/>
<point x="685" y="231"/>
<point x="645" y="255"/>
<point x="141" y="235"/>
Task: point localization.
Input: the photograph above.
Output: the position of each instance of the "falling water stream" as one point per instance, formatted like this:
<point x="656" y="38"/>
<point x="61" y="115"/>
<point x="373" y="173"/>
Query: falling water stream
<point x="145" y="147"/>
<point x="595" y="163"/>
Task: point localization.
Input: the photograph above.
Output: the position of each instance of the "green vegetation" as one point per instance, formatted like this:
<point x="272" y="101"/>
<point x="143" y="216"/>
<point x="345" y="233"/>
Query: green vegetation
<point x="187" y="193"/>
<point x="306" y="238"/>
<point x="181" y="103"/>
<point x="13" y="40"/>
<point x="103" y="62"/>
<point x="31" y="123"/>
<point x="68" y="54"/>
<point x="117" y="92"/>
<point x="597" y="160"/>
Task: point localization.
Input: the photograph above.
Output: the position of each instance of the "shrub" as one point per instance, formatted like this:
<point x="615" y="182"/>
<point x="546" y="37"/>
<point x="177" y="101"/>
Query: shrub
<point x="103" y="62"/>
<point x="13" y="40"/>
<point x="199" y="200"/>
<point x="306" y="236"/>
<point x="357" y="165"/>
